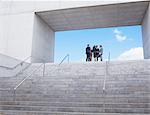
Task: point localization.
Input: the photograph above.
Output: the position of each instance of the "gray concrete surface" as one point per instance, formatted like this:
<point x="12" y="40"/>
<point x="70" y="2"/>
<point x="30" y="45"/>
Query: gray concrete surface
<point x="126" y="14"/>
<point x="77" y="89"/>
<point x="146" y="33"/>
<point x="10" y="67"/>
<point x="43" y="41"/>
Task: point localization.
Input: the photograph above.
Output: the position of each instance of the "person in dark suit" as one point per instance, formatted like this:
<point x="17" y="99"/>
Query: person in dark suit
<point x="88" y="53"/>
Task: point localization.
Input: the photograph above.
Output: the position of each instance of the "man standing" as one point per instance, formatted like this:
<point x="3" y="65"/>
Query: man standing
<point x="101" y="52"/>
<point x="88" y="53"/>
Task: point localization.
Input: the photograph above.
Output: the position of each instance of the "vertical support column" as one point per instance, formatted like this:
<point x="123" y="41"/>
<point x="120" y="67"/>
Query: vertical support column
<point x="43" y="41"/>
<point x="146" y="34"/>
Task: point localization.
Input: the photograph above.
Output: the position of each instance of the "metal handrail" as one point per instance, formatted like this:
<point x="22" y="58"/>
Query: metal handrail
<point x="109" y="57"/>
<point x="31" y="74"/>
<point x="20" y="63"/>
<point x="31" y="63"/>
<point x="22" y="69"/>
<point x="9" y="89"/>
<point x="66" y="57"/>
<point x="19" y="84"/>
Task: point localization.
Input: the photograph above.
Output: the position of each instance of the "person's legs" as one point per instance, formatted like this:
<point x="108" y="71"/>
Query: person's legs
<point x="94" y="56"/>
<point x="97" y="58"/>
<point x="101" y="58"/>
<point x="88" y="57"/>
<point x="91" y="56"/>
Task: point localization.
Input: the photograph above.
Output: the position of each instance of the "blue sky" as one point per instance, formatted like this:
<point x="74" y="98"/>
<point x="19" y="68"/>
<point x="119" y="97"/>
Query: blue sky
<point x="116" y="40"/>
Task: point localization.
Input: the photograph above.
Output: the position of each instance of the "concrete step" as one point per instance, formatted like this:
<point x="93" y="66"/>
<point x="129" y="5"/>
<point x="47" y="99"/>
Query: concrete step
<point x="109" y="87"/>
<point x="77" y="89"/>
<point x="76" y="104"/>
<point x="78" y="81"/>
<point x="75" y="95"/>
<point x="79" y="99"/>
<point x="86" y="89"/>
<point x="16" y="112"/>
<point x="75" y="109"/>
<point x="9" y="94"/>
<point x="108" y="79"/>
<point x="76" y="92"/>
<point x="81" y="81"/>
<point x="82" y="77"/>
<point x="86" y="85"/>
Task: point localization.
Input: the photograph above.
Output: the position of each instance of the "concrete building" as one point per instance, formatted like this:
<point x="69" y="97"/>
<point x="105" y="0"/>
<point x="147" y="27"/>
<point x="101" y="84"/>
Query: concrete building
<point x="28" y="28"/>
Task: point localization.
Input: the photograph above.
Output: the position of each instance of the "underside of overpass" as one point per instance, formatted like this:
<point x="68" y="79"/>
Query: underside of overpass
<point x="112" y="15"/>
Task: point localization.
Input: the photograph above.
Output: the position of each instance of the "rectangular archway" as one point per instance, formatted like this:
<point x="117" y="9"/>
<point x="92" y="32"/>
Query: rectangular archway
<point x="112" y="15"/>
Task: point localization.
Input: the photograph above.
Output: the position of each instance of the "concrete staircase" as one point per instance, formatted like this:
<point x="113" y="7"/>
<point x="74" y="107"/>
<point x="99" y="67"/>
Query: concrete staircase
<point x="77" y="89"/>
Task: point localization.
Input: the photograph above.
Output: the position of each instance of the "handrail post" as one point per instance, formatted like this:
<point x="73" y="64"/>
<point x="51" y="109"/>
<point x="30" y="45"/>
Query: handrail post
<point x="109" y="57"/>
<point x="21" y="68"/>
<point x="14" y="94"/>
<point x="44" y="70"/>
<point x="68" y="58"/>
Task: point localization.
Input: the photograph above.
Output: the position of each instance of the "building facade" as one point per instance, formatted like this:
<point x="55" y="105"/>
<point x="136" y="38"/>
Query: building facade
<point x="28" y="28"/>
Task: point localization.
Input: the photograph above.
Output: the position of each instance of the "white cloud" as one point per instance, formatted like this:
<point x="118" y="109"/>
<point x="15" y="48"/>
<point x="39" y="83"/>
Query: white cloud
<point x="119" y="36"/>
<point x="132" y="54"/>
<point x="116" y="31"/>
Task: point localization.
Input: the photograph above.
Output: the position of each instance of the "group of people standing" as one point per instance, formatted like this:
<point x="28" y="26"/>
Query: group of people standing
<point x="96" y="52"/>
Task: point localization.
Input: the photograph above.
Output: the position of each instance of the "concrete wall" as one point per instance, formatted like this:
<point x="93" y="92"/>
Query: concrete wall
<point x="146" y="34"/>
<point x="23" y="34"/>
<point x="43" y="41"/>
<point x="7" y="7"/>
<point x="16" y="34"/>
